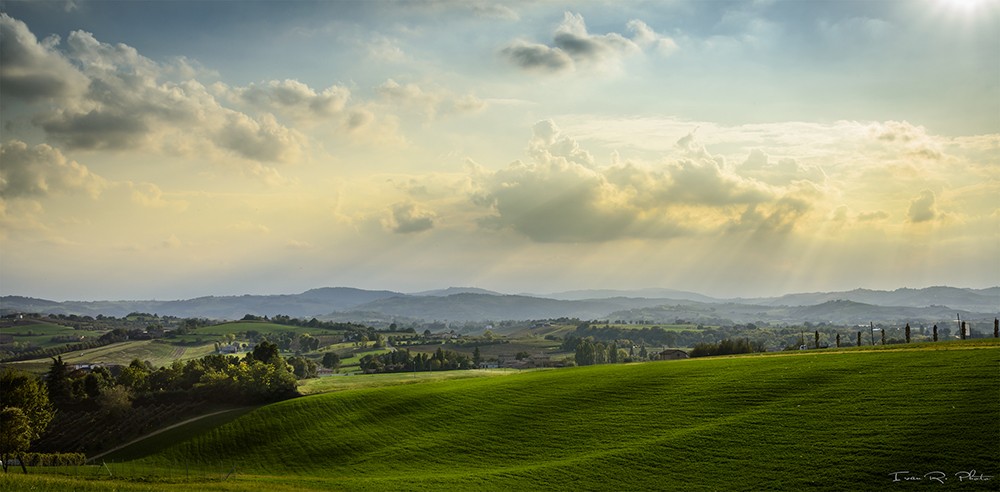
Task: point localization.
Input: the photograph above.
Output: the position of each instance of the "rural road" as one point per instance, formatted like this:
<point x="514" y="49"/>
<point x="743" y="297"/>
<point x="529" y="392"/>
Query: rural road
<point x="151" y="434"/>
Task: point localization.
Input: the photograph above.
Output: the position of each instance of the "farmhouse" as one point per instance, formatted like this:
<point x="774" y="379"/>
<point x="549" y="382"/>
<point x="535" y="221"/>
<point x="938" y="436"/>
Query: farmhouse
<point x="673" y="354"/>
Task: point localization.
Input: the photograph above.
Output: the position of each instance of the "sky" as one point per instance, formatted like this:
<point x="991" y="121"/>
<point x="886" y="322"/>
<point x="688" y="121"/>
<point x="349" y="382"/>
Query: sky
<point x="176" y="149"/>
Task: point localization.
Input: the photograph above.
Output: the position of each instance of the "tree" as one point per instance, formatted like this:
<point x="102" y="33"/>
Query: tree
<point x="477" y="358"/>
<point x="15" y="435"/>
<point x="115" y="401"/>
<point x="859" y="339"/>
<point x="883" y="336"/>
<point x="817" y="338"/>
<point x="135" y="377"/>
<point x="838" y="340"/>
<point x="302" y="367"/>
<point x="331" y="360"/>
<point x="907" y="333"/>
<point x="26" y="412"/>
<point x="935" y="333"/>
<point x="59" y="386"/>
<point x="266" y="352"/>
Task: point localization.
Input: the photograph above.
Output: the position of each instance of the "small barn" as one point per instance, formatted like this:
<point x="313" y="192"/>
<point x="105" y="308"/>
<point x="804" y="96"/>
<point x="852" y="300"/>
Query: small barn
<point x="673" y="354"/>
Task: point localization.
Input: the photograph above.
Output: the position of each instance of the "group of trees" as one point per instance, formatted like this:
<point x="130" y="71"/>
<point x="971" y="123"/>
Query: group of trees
<point x="588" y="352"/>
<point x="260" y="376"/>
<point x="404" y="361"/>
<point x="726" y="347"/>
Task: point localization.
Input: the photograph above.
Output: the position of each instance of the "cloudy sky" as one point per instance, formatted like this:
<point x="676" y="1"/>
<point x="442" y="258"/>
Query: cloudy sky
<point x="178" y="149"/>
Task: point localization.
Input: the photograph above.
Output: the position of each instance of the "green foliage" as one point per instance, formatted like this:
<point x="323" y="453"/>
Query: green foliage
<point x="115" y="402"/>
<point x="15" y="433"/>
<point x="266" y="352"/>
<point x="302" y="367"/>
<point x="404" y="361"/>
<point x="53" y="459"/>
<point x="331" y="360"/>
<point x="24" y="391"/>
<point x="726" y="347"/>
<point x="58" y="383"/>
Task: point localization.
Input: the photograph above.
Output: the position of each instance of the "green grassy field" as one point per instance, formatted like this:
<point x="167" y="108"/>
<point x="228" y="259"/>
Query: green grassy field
<point x="342" y="383"/>
<point x="259" y="326"/>
<point x="40" y="334"/>
<point x="832" y="420"/>
<point x="157" y="352"/>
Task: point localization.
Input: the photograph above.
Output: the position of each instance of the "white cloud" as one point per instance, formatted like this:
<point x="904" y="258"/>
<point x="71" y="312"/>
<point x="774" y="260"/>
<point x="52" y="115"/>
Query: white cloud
<point x="42" y="170"/>
<point x="295" y="99"/>
<point x="923" y="208"/>
<point x="562" y="196"/>
<point x="33" y="70"/>
<point x="407" y="217"/>
<point x="428" y="102"/>
<point x="121" y="100"/>
<point x="573" y="47"/>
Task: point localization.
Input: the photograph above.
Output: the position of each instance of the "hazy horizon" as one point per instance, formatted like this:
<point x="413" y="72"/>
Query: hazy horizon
<point x="173" y="150"/>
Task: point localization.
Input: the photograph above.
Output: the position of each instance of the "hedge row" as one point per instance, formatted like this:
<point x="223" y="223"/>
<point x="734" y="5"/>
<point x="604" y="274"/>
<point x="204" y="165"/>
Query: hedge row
<point x="53" y="459"/>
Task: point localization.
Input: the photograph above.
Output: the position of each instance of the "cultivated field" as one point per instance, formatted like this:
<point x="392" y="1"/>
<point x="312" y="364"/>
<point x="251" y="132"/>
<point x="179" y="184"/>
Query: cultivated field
<point x="158" y="352"/>
<point x="832" y="420"/>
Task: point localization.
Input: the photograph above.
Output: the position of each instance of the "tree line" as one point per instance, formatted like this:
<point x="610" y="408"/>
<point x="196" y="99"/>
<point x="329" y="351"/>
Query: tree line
<point x="404" y="361"/>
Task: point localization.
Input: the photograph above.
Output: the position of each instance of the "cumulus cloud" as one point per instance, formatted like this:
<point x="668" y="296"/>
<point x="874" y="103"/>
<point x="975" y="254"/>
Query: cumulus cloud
<point x="560" y="195"/>
<point x="783" y="172"/>
<point x="428" y="102"/>
<point x="295" y="98"/>
<point x="41" y="170"/>
<point x="407" y="217"/>
<point x="95" y="95"/>
<point x="33" y="70"/>
<point x="538" y="57"/>
<point x="547" y="141"/>
<point x="262" y="139"/>
<point x="901" y="136"/>
<point x="572" y="47"/>
<point x="923" y="208"/>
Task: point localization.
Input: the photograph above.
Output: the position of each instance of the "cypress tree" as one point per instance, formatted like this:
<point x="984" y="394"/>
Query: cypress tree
<point x="817" y="338"/>
<point x="935" y="333"/>
<point x="996" y="327"/>
<point x="907" y="333"/>
<point x="838" y="340"/>
<point x="883" y="336"/>
<point x="859" y="339"/>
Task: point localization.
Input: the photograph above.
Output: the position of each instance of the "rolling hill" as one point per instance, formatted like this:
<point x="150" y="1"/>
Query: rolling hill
<point x="932" y="304"/>
<point x="835" y="421"/>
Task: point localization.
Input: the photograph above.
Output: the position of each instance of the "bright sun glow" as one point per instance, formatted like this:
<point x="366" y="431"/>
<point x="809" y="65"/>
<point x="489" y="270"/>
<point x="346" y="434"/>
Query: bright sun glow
<point x="965" y="5"/>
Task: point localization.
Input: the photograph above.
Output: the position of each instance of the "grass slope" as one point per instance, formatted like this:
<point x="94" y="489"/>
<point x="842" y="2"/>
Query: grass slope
<point x="835" y="420"/>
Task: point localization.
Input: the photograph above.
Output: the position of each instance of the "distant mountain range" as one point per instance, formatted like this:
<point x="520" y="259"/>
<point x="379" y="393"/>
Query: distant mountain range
<point x="460" y="304"/>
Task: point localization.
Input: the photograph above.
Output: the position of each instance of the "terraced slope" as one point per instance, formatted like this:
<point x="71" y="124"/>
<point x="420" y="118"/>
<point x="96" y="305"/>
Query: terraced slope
<point x="831" y="420"/>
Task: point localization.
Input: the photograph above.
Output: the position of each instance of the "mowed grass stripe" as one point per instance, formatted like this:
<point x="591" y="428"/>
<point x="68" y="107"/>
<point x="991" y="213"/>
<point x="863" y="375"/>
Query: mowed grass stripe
<point x="840" y="418"/>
